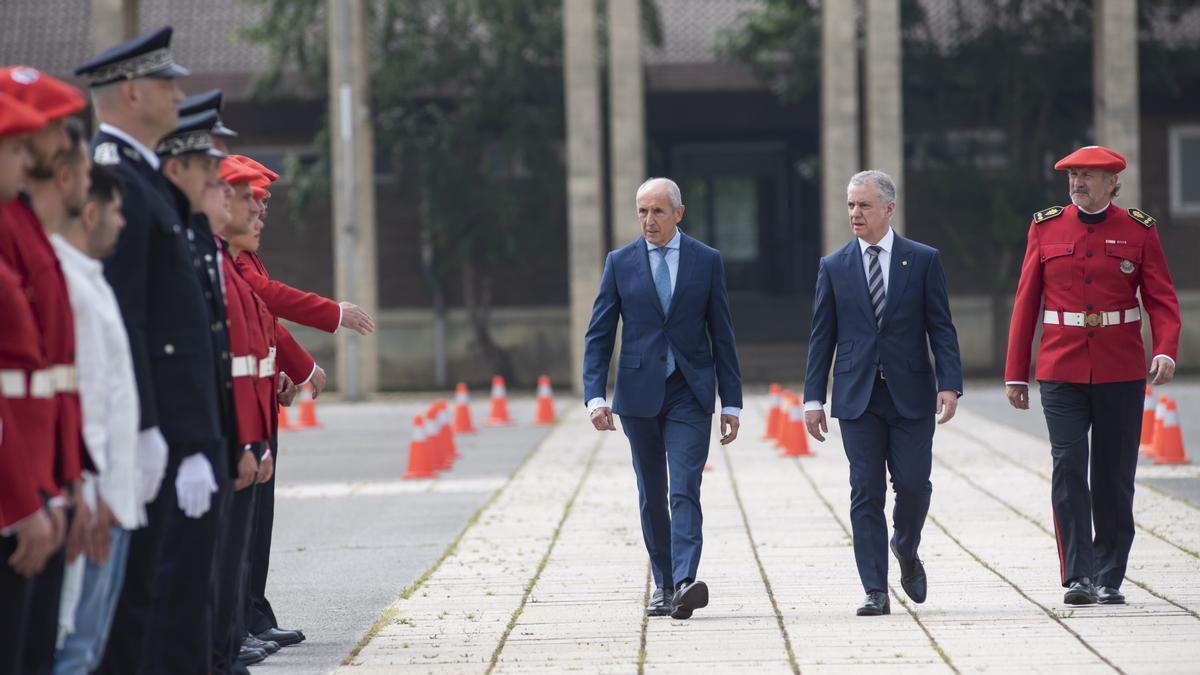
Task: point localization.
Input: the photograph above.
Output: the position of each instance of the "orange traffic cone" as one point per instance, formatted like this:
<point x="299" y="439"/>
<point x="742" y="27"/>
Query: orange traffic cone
<point x="773" y="416"/>
<point x="1146" y="446"/>
<point x="499" y="416"/>
<point x="447" y="430"/>
<point x="421" y="462"/>
<point x="545" y="402"/>
<point x="785" y="407"/>
<point x="462" y="410"/>
<point x="307" y="418"/>
<point x="797" y="442"/>
<point x="1160" y="412"/>
<point x="1169" y="447"/>
<point x="284" y="424"/>
<point x="433" y="436"/>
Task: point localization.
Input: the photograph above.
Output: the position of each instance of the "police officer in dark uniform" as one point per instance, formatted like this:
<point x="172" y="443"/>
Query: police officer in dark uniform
<point x="1086" y="264"/>
<point x="161" y="622"/>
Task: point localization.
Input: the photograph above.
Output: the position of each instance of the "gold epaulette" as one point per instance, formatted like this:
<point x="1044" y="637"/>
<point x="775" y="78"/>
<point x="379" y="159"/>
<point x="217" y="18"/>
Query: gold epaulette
<point x="1142" y="217"/>
<point x="1047" y="214"/>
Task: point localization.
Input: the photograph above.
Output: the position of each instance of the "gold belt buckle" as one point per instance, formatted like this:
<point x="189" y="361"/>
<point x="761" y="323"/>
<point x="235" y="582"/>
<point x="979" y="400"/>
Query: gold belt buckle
<point x="1092" y="319"/>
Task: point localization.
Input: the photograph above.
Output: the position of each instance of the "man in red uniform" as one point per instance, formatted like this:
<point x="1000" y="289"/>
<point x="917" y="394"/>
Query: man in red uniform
<point x="24" y="245"/>
<point x="251" y="343"/>
<point x="28" y="536"/>
<point x="1084" y="266"/>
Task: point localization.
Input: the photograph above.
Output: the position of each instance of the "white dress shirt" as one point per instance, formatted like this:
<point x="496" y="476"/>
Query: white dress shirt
<point x="672" y="260"/>
<point x="885" y="262"/>
<point x="107" y="389"/>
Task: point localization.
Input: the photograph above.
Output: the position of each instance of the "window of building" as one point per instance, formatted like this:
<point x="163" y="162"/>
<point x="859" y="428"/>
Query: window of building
<point x="1184" y="148"/>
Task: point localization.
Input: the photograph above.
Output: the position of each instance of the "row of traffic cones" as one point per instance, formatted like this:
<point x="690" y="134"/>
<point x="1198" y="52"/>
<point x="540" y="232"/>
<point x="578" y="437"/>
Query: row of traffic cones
<point x="785" y="423"/>
<point x="433" y="449"/>
<point x="1162" y="438"/>
<point x="306" y="418"/>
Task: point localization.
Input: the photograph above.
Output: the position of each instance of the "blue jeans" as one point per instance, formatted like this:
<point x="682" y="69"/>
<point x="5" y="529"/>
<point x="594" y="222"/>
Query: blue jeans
<point x="82" y="650"/>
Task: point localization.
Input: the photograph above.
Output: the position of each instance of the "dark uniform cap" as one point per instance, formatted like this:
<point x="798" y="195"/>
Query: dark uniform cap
<point x="147" y="55"/>
<point x="209" y="100"/>
<point x="193" y="136"/>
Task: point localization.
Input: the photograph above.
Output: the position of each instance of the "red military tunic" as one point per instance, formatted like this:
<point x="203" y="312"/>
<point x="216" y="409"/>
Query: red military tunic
<point x="291" y="358"/>
<point x="1080" y="267"/>
<point x="285" y="302"/>
<point x="251" y="351"/>
<point x="20" y="355"/>
<point x="25" y="247"/>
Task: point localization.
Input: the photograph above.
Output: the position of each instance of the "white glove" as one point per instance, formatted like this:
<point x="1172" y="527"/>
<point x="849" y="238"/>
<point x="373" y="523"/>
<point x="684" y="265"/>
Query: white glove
<point x="194" y="485"/>
<point x="152" y="461"/>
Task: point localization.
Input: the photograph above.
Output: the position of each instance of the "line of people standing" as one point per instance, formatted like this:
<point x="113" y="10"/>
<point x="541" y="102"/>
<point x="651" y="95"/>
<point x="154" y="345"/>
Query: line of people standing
<point x="141" y="373"/>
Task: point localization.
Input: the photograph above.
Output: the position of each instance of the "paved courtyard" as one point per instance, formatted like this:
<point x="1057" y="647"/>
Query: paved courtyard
<point x="549" y="574"/>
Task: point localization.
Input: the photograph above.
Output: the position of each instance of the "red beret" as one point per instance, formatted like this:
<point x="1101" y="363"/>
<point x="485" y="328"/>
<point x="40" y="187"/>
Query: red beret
<point x="235" y="172"/>
<point x="52" y="97"/>
<point x="1092" y="157"/>
<point x="270" y="175"/>
<point x="18" y="118"/>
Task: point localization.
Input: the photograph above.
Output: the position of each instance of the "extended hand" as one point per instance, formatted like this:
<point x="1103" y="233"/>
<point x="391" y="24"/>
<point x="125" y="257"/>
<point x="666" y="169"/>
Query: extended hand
<point x="729" y="428"/>
<point x="947" y="405"/>
<point x="354" y="318"/>
<point x="1162" y="370"/>
<point x="602" y="419"/>
<point x="817" y="426"/>
<point x="317" y="381"/>
<point x="286" y="392"/>
<point x="1018" y="395"/>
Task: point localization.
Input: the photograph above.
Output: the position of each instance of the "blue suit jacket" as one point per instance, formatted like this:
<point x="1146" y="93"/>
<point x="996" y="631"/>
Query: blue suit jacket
<point x="697" y="325"/>
<point x="915" y="320"/>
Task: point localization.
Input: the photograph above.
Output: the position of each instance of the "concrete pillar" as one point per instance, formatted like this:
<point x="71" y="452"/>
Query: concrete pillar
<point x="839" y="117"/>
<point x="353" y="183"/>
<point x="585" y="211"/>
<point x="884" y="96"/>
<point x="112" y="22"/>
<point x="627" y="115"/>
<point x="1115" y="77"/>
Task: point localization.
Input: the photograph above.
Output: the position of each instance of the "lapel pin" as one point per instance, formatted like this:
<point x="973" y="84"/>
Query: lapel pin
<point x="904" y="263"/>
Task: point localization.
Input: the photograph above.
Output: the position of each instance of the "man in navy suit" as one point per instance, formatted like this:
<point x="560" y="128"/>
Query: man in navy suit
<point x="881" y="305"/>
<point x="677" y="352"/>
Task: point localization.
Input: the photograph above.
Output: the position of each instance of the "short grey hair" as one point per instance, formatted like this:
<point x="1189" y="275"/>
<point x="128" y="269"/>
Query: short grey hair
<point x="673" y="192"/>
<point x="882" y="181"/>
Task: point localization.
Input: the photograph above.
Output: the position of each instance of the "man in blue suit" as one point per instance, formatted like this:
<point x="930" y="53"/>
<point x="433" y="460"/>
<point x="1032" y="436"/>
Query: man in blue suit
<point x="881" y="305"/>
<point x="677" y="352"/>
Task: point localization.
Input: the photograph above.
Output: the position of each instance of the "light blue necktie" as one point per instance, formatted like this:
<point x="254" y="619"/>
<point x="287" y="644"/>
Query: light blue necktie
<point x="662" y="283"/>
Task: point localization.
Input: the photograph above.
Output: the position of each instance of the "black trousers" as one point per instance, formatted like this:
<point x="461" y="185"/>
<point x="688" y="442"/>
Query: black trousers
<point x="232" y="569"/>
<point x="1112" y="412"/>
<point x="878" y="440"/>
<point x="41" y="633"/>
<point x="16" y="594"/>
<point x="163" y="622"/>
<point x="259" y="615"/>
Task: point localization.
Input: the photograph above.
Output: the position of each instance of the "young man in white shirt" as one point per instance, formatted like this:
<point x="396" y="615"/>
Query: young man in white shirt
<point x="109" y="400"/>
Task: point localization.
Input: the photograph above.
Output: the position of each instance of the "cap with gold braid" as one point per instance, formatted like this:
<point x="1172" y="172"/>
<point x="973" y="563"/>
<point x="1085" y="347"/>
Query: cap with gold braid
<point x="147" y="55"/>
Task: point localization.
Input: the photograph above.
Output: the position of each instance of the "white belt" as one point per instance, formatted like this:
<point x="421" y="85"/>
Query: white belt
<point x="1093" y="319"/>
<point x="266" y="367"/>
<point x="23" y="384"/>
<point x="65" y="378"/>
<point x="244" y="366"/>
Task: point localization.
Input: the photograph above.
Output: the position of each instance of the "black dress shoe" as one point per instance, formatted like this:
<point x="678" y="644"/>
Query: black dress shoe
<point x="268" y="646"/>
<point x="1107" y="595"/>
<point x="283" y="637"/>
<point x="659" y="604"/>
<point x="1081" y="592"/>
<point x="912" y="575"/>
<point x="249" y="657"/>
<point x="876" y="603"/>
<point x="688" y="598"/>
